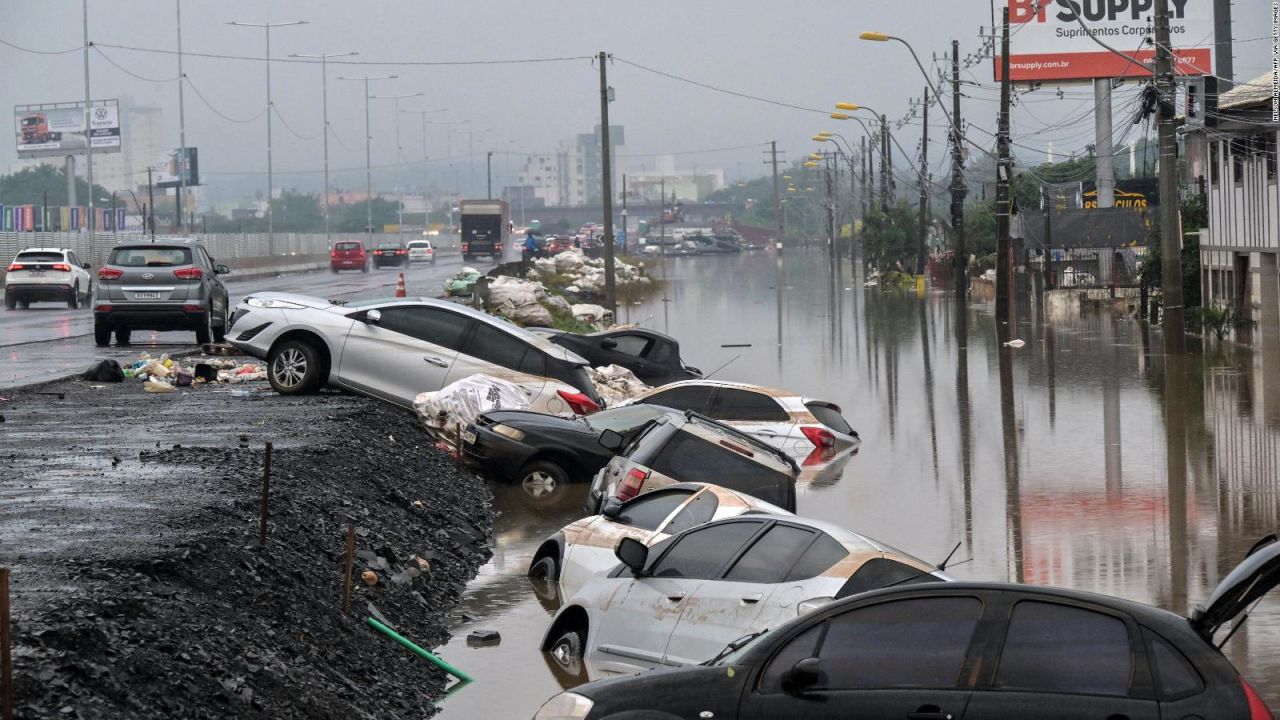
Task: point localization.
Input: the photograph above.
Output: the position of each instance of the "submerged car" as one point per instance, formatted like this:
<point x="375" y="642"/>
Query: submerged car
<point x="545" y="453"/>
<point x="964" y="650"/>
<point x="395" y="349"/>
<point x="160" y="285"/>
<point x="654" y="358"/>
<point x="687" y="447"/>
<point x="680" y="602"/>
<point x="795" y="424"/>
<point x="586" y="547"/>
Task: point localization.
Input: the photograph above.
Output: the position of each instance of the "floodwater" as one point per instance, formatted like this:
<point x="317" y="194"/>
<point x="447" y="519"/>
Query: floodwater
<point x="1049" y="464"/>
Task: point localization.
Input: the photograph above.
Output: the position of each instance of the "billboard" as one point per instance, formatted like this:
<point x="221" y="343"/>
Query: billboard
<point x="173" y="170"/>
<point x="58" y="128"/>
<point x="1049" y="40"/>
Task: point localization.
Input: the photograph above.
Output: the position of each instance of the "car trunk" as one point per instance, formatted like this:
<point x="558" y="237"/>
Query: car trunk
<point x="1254" y="577"/>
<point x="38" y="268"/>
<point x="149" y="275"/>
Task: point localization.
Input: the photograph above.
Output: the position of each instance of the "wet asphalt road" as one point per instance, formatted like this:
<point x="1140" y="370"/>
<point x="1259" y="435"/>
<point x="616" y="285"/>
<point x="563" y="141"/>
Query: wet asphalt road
<point x="1093" y="496"/>
<point x="48" y="340"/>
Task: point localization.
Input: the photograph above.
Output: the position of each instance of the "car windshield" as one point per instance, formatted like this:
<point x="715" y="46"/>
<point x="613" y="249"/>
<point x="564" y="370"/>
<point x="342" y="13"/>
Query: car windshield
<point x="150" y="257"/>
<point x="38" y="257"/>
<point x="389" y="246"/>
<point x="624" y="418"/>
<point x="347" y="246"/>
<point x="420" y="245"/>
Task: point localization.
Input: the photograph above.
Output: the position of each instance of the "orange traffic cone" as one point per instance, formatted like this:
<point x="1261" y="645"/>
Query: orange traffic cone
<point x="400" y="286"/>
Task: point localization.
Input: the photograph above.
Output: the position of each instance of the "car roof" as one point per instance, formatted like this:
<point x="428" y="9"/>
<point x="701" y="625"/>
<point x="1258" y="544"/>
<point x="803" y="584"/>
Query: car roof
<point x="159" y="241"/>
<point x="702" y="425"/>
<point x="46" y="250"/>
<point x="756" y="505"/>
<point x="852" y="541"/>
<point x="1144" y="613"/>
<point x="772" y="392"/>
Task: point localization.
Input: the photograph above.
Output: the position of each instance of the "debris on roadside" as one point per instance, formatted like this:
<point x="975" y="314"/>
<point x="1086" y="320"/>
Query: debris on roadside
<point x="459" y="403"/>
<point x="104" y="371"/>
<point x="616" y="383"/>
<point x="484" y="637"/>
<point x="164" y="374"/>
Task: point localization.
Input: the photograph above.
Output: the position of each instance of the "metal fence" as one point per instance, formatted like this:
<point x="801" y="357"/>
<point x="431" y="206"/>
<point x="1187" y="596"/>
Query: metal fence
<point x="228" y="246"/>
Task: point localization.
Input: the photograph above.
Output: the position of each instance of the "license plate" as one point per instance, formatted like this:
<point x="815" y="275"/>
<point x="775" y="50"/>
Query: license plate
<point x="469" y="437"/>
<point x="146" y="296"/>
<point x="37" y="273"/>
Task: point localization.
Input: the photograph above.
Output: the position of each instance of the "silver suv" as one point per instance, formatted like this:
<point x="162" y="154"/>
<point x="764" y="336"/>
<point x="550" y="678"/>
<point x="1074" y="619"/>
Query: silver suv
<point x="164" y="285"/>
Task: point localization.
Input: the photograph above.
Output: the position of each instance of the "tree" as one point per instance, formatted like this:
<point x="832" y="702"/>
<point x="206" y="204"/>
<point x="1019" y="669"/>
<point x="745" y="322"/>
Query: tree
<point x="892" y="236"/>
<point x="352" y="217"/>
<point x="29" y="186"/>
<point x="297" y="212"/>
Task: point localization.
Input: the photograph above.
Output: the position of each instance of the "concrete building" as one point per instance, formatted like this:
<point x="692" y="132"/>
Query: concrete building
<point x="689" y="185"/>
<point x="571" y="176"/>
<point x="1239" y="248"/>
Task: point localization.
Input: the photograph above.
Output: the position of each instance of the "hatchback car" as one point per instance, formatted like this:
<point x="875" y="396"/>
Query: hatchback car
<point x="795" y="424"/>
<point x="348" y="255"/>
<point x="688" y="447"/>
<point x="391" y="254"/>
<point x="421" y="251"/>
<point x="583" y="548"/>
<point x="395" y="349"/>
<point x="653" y="357"/>
<point x="681" y="601"/>
<point x="47" y="274"/>
<point x="162" y="285"/>
<point x="964" y="650"/>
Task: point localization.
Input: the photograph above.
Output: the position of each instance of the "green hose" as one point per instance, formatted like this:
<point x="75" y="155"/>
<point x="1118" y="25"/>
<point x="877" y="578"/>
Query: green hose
<point x="465" y="678"/>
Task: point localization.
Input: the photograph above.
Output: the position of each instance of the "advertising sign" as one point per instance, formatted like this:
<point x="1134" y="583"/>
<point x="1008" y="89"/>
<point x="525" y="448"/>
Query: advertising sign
<point x="174" y="170"/>
<point x="1049" y="40"/>
<point x="59" y="128"/>
<point x="1134" y="193"/>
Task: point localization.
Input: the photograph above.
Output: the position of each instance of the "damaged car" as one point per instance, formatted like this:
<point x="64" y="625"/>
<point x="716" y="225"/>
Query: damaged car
<point x="688" y="447"/>
<point x="965" y="650"/>
<point x="395" y="349"/>
<point x="586" y="547"/>
<point x="681" y="601"/>
<point x="798" y="425"/>
<point x="654" y="358"/>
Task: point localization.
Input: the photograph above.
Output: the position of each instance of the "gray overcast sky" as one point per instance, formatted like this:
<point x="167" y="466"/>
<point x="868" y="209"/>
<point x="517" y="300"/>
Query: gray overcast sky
<point x="801" y="52"/>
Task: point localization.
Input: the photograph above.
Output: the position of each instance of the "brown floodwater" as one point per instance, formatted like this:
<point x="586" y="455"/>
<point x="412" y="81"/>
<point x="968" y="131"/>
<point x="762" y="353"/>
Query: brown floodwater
<point x="1050" y="464"/>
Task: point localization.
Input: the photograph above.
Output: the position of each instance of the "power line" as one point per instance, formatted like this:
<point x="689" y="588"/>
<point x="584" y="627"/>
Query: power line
<point x="714" y="88"/>
<point x="307" y="61"/>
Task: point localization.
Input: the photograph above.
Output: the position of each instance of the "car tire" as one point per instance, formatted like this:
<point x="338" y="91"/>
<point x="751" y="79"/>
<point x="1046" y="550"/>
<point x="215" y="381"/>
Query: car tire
<point x="546" y="568"/>
<point x="73" y="301"/>
<point x="567" y="650"/>
<point x="122" y="336"/>
<point x="10" y="301"/>
<point x="220" y="331"/>
<point x="334" y="269"/>
<point x="543" y="482"/>
<point x="365" y="269"/>
<point x="204" y="331"/>
<point x="101" y="333"/>
<point x="293" y="368"/>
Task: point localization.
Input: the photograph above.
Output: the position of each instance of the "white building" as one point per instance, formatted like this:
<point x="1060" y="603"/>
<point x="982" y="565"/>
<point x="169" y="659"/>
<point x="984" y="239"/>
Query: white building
<point x="571" y="176"/>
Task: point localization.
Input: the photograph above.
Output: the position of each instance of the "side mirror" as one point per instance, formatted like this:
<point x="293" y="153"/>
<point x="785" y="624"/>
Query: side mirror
<point x="802" y="676"/>
<point x="84" y="265"/>
<point x="632" y="553"/>
<point x="609" y="344"/>
<point x="221" y="270"/>
<point x="612" y="440"/>
<point x="373" y="317"/>
<point x="612" y="509"/>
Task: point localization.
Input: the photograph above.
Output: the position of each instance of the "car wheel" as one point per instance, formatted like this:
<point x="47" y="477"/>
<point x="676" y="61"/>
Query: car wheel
<point x="73" y="301"/>
<point x="543" y="482"/>
<point x="334" y="269"/>
<point x="567" y="650"/>
<point x="294" y="368"/>
<point x="547" y="568"/>
<point x="204" y="331"/>
<point x="365" y="268"/>
<point x="10" y="301"/>
<point x="101" y="334"/>
<point x="220" y="331"/>
<point x="122" y="336"/>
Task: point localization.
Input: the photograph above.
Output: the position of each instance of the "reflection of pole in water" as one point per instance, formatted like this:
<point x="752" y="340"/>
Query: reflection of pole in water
<point x="962" y="409"/>
<point x="928" y="381"/>
<point x="777" y="283"/>
<point x="1008" y="425"/>
<point x="1111" y="407"/>
<point x="1175" y="389"/>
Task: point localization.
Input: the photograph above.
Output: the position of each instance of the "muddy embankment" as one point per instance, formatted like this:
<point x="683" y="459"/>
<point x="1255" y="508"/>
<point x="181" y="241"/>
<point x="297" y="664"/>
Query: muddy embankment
<point x="139" y="590"/>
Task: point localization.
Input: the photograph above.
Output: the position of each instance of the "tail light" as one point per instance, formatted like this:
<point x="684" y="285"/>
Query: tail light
<point x="191" y="273"/>
<point x="192" y="308"/>
<point x="631" y="485"/>
<point x="819" y="436"/>
<point x="401" y="252"/>
<point x="579" y="403"/>
<point x="1258" y="709"/>
<point x="466" y="247"/>
<point x="16" y="266"/>
<point x="108" y="273"/>
<point x="62" y="267"/>
<point x="497" y="247"/>
<point x="333" y="254"/>
<point x="102" y="308"/>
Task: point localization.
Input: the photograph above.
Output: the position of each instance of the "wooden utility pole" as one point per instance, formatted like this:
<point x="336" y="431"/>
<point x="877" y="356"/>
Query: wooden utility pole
<point x="924" y="187"/>
<point x="1170" y="222"/>
<point x="1004" y="250"/>
<point x="884" y="163"/>
<point x="606" y="150"/>
<point x="961" y="261"/>
<point x="777" y="196"/>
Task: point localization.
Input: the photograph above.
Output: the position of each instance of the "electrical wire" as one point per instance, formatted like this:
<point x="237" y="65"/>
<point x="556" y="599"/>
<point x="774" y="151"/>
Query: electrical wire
<point x="725" y="91"/>
<point x="15" y="46"/>
<point x="129" y="72"/>
<point x="331" y="61"/>
<point x="288" y="127"/>
<point x="218" y="112"/>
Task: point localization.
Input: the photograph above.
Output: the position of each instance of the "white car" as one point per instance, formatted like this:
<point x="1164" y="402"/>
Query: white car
<point x="396" y="349"/>
<point x="797" y="425"/>
<point x="421" y="250"/>
<point x="584" y="548"/>
<point x="47" y="274"/>
<point x="684" y="600"/>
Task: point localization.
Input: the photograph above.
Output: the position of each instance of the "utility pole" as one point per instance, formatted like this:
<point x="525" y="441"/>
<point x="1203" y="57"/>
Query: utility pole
<point x="958" y="190"/>
<point x="831" y="215"/>
<point x="324" y="105"/>
<point x="777" y="195"/>
<point x="1170" y="224"/>
<point x="606" y="165"/>
<point x="488" y="175"/>
<point x="151" y="207"/>
<point x="884" y="164"/>
<point x="88" y="130"/>
<point x="924" y="188"/>
<point x="368" y="154"/>
<point x="1004" y="250"/>
<point x="182" y="130"/>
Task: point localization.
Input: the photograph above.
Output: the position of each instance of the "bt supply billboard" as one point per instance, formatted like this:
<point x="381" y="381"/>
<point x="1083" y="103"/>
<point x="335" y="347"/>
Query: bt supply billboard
<point x="1047" y="41"/>
<point x="58" y="128"/>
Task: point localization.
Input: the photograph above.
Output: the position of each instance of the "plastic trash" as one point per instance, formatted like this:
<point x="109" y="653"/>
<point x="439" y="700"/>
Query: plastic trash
<point x="105" y="371"/>
<point x="157" y="386"/>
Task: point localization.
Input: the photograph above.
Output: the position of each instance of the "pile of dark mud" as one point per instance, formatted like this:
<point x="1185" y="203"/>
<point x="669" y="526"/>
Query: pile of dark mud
<point x="139" y="590"/>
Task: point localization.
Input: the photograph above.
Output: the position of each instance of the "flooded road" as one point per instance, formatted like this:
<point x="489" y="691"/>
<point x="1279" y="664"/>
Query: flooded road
<point x="1049" y="464"/>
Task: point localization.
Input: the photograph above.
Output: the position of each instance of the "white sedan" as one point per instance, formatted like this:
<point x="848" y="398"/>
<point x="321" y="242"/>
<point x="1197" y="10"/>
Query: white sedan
<point x="396" y="349"/>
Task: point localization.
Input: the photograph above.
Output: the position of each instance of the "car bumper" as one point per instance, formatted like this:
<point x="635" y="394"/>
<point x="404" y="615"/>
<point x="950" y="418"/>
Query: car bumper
<point x="150" y="317"/>
<point x="496" y="456"/>
<point x="347" y="264"/>
<point x="39" y="291"/>
<point x="424" y="258"/>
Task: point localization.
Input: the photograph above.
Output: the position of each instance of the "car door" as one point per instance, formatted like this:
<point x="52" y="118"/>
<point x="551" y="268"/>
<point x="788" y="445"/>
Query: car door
<point x="630" y="350"/>
<point x="491" y="351"/>
<point x="756" y="413"/>
<point x="900" y="658"/>
<point x="639" y="623"/>
<point x="639" y="518"/>
<point x="727" y="607"/>
<point x="1067" y="661"/>
<point x="408" y="350"/>
<point x="78" y="272"/>
<point x="216" y="291"/>
<point x="684" y="397"/>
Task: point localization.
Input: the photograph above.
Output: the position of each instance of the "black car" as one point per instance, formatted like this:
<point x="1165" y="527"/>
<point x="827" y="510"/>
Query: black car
<point x="652" y="356"/>
<point x="393" y="253"/>
<point x="543" y="453"/>
<point x="993" y="651"/>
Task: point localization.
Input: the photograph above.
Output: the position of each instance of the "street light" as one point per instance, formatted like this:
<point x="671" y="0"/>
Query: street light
<point x="368" y="165"/>
<point x="271" y="236"/>
<point x="426" y="211"/>
<point x="399" y="152"/>
<point x="324" y="102"/>
<point x="882" y="37"/>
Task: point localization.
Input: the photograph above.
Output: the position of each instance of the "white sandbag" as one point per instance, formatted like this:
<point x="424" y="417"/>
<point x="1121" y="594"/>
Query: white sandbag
<point x="556" y="302"/>
<point x="569" y="260"/>
<point x="616" y="384"/>
<point x="461" y="402"/>
<point x="587" y="312"/>
<point x="530" y="314"/>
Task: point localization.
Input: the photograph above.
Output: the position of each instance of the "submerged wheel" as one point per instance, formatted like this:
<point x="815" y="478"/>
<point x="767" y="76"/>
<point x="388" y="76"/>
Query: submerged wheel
<point x="543" y="482"/>
<point x="546" y="568"/>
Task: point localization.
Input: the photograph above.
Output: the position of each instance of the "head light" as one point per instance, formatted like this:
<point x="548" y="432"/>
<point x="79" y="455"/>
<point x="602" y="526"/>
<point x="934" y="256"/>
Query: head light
<point x="565" y="706"/>
<point x="271" y="303"/>
<point x="508" y="431"/>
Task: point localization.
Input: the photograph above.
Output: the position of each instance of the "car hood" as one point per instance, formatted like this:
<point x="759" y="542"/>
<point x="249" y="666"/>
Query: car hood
<point x="531" y="419"/>
<point x="296" y="298"/>
<point x="1254" y="577"/>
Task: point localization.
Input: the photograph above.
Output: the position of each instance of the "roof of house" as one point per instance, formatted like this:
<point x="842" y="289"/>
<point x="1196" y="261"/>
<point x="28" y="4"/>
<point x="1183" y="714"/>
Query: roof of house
<point x="1255" y="92"/>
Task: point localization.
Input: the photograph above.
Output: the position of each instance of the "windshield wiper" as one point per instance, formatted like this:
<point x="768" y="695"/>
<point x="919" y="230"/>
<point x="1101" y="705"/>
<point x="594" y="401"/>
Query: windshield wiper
<point x="735" y="646"/>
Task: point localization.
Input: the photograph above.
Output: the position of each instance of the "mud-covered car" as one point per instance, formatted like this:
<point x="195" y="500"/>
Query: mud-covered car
<point x="680" y="602"/>
<point x="653" y="357"/>
<point x="585" y="547"/>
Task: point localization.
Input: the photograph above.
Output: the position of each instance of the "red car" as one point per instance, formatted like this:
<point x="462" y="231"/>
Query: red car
<point x="349" y="255"/>
<point x="557" y="244"/>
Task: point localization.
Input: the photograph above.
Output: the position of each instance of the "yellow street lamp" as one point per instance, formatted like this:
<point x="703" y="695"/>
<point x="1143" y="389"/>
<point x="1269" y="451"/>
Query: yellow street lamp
<point x="876" y="36"/>
<point x="811" y="164"/>
<point x="839" y="116"/>
<point x="851" y="107"/>
<point x="786" y="177"/>
<point x="791" y="189"/>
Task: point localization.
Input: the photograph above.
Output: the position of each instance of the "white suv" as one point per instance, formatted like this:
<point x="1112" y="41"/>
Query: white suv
<point x="421" y="250"/>
<point x="52" y="274"/>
